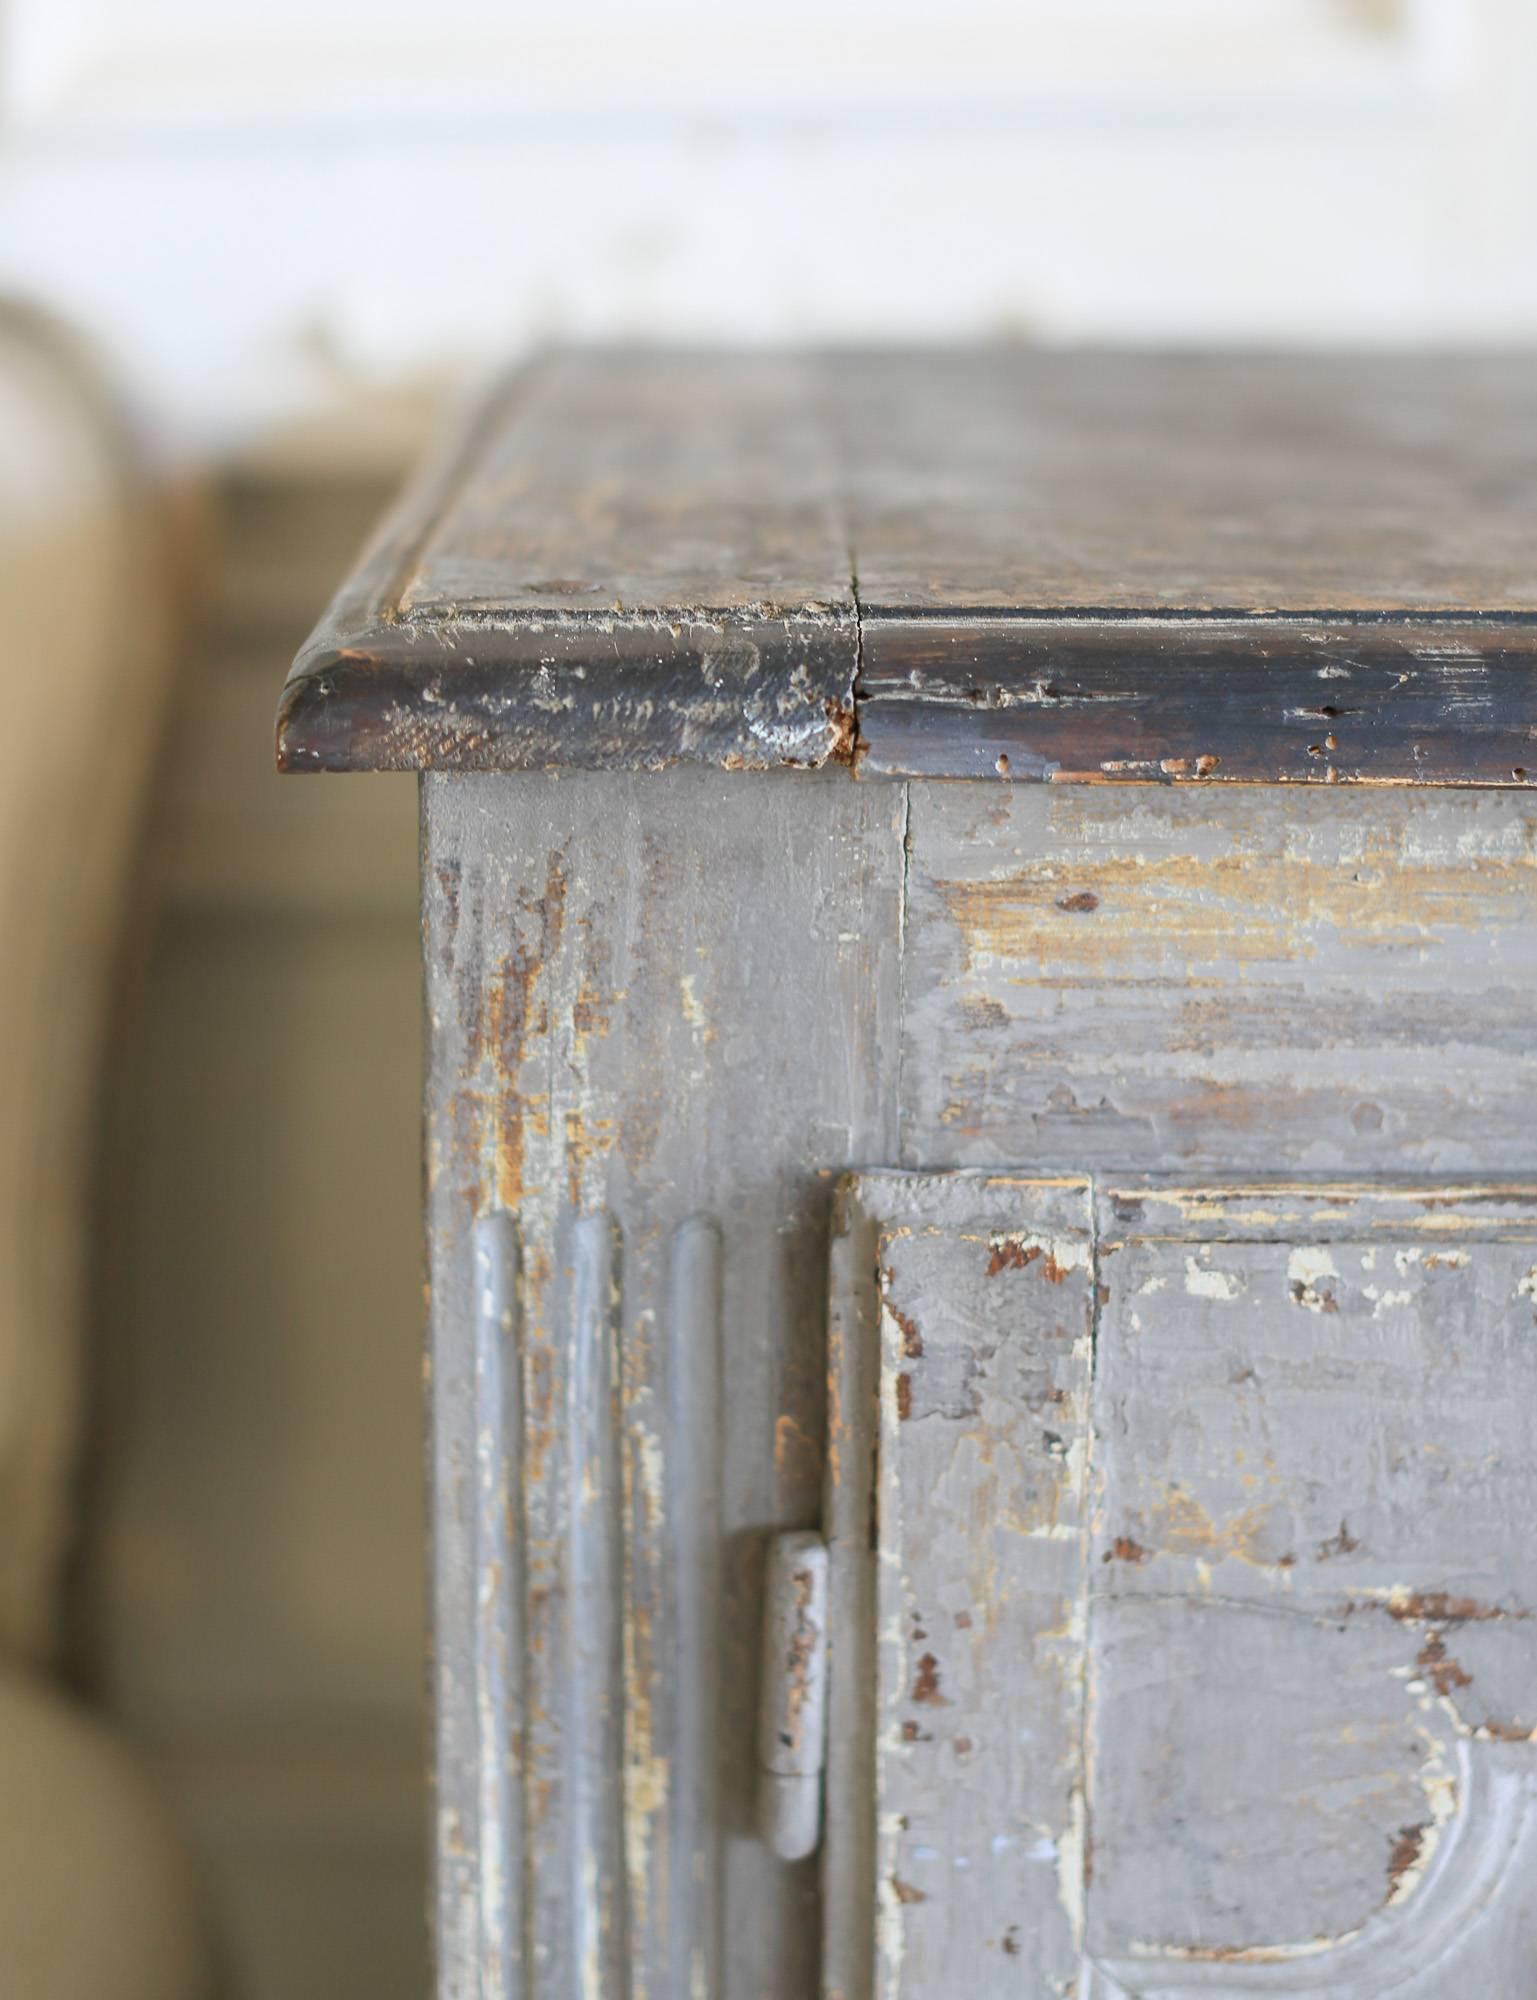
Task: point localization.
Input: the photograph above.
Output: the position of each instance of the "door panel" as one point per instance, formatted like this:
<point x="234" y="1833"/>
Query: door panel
<point x="986" y="1325"/>
<point x="1204" y="1588"/>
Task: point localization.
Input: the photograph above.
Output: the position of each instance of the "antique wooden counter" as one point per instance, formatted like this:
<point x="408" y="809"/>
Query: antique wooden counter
<point x="982" y="1173"/>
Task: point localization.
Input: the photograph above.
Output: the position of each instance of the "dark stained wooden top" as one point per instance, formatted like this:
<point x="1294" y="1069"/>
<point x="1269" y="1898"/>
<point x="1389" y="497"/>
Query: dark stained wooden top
<point x="1000" y="562"/>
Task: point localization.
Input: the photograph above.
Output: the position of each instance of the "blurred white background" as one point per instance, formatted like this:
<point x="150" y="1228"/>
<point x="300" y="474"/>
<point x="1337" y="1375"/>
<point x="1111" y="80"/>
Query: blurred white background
<point x="288" y="229"/>
<point x="252" y="201"/>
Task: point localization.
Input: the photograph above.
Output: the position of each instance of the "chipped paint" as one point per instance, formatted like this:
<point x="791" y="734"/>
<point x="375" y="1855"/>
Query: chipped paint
<point x="1204" y="1283"/>
<point x="1415" y="1848"/>
<point x="991" y="1486"/>
<point x="693" y="1007"/>
<point x="1308" y="1270"/>
<point x="1072" y="1854"/>
<point x="1214" y="905"/>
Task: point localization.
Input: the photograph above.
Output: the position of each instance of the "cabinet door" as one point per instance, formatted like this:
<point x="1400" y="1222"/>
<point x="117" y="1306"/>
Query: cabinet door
<point x="1184" y="1583"/>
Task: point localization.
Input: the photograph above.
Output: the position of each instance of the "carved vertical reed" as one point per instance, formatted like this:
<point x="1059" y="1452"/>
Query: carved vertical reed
<point x="848" y="1851"/>
<point x="499" y="1590"/>
<point x="457" y="1943"/>
<point x="594" y="1708"/>
<point x="586" y="1874"/>
<point x="693" y="1487"/>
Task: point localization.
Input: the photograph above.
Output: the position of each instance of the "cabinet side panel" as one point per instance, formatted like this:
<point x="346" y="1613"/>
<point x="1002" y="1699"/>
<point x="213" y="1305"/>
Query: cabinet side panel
<point x="663" y="1017"/>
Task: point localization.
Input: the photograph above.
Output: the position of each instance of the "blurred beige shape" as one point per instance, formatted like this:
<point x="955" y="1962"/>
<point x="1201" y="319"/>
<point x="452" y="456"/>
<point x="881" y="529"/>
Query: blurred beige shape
<point x="94" y="1892"/>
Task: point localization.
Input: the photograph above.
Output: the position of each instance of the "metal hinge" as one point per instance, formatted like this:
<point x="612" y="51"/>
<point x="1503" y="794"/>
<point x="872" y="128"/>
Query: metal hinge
<point x="792" y="1723"/>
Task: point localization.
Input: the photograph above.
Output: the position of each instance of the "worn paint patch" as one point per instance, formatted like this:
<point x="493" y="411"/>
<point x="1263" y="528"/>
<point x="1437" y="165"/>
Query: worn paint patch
<point x="1228" y="904"/>
<point x="693" y="1007"/>
<point x="1203" y="1283"/>
<point x="1414" y="1849"/>
<point x="1379" y="1434"/>
<point x="1309" y="1271"/>
<point x="1215" y="1009"/>
<point x="985" y="1344"/>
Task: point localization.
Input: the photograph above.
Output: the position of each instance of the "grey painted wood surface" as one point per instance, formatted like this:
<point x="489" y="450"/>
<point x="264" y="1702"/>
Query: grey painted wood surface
<point x="1108" y="976"/>
<point x="792" y="1726"/>
<point x="658" y="1121"/>
<point x="1204" y="1588"/>
<point x="972" y="1468"/>
<point x="666" y="1011"/>
<point x="1313" y="1673"/>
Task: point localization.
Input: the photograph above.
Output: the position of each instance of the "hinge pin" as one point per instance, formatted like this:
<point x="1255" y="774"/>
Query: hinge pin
<point x="793" y="1718"/>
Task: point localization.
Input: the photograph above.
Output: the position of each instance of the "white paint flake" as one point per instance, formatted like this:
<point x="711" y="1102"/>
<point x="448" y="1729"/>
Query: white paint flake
<point x="1307" y="1268"/>
<point x="1201" y="1283"/>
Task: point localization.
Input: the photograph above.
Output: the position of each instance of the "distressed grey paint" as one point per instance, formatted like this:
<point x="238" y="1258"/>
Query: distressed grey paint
<point x="666" y="1011"/>
<point x="1312" y="1626"/>
<point x="593" y="1582"/>
<point x="985" y="1305"/>
<point x="663" y="1117"/>
<point x="853" y="1401"/>
<point x="500" y="1587"/>
<point x="685" y="1571"/>
<point x="1261" y="979"/>
<point x="1266" y="1703"/>
<point x="792" y="1715"/>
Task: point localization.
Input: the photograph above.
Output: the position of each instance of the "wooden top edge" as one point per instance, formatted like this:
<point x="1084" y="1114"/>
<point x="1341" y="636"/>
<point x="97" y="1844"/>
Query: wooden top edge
<point x="1405" y="701"/>
<point x="1412" y="699"/>
<point x="577" y="577"/>
<point x="634" y="558"/>
<point x="732" y="690"/>
<point x="1017" y="622"/>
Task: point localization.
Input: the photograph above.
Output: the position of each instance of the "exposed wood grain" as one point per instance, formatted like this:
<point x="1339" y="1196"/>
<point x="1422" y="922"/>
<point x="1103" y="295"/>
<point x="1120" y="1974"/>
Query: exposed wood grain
<point x="1020" y="480"/>
<point x="682" y="479"/>
<point x="1216" y="701"/>
<point x="1126" y="978"/>
<point x="627" y="559"/>
<point x="1069" y="566"/>
<point x="1195" y="568"/>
